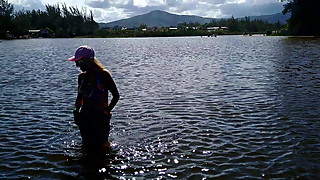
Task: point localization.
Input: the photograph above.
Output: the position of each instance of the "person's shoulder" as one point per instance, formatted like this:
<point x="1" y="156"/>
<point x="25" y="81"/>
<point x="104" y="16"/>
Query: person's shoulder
<point x="106" y="73"/>
<point x="81" y="75"/>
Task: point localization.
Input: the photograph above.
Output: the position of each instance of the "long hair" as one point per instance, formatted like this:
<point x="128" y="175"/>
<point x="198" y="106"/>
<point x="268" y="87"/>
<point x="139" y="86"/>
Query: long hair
<point x="94" y="64"/>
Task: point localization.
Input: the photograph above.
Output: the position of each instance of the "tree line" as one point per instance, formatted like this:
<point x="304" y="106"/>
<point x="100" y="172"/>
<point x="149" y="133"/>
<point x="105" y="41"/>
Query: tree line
<point x="61" y="21"/>
<point x="239" y="25"/>
<point x="233" y="26"/>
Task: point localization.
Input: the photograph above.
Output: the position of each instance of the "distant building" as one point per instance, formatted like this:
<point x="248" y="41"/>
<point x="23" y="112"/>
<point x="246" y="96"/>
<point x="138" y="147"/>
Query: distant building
<point x="212" y="29"/>
<point x="39" y="33"/>
<point x="128" y="28"/>
<point x="194" y="28"/>
<point x="173" y="28"/>
<point x="224" y="28"/>
<point x="149" y="29"/>
<point x="276" y="31"/>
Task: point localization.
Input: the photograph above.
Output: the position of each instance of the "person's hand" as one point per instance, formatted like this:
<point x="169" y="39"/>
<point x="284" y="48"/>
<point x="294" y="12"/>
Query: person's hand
<point x="108" y="114"/>
<point x="76" y="117"/>
<point x="75" y="112"/>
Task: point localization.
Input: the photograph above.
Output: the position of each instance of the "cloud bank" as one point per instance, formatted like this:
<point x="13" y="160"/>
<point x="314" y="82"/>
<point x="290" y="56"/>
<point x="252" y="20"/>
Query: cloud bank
<point x="111" y="10"/>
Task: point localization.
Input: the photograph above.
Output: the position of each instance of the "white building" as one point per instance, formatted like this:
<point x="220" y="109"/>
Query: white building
<point x="212" y="29"/>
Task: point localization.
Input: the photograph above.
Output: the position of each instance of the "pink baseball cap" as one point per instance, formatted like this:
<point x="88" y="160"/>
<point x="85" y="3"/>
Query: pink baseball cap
<point x="82" y="52"/>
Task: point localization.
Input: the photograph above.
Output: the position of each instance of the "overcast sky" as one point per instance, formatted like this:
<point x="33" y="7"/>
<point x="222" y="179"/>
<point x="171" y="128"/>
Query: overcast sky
<point x="111" y="10"/>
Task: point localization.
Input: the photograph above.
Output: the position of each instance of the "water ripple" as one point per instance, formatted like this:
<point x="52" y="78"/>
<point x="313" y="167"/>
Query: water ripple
<point x="191" y="108"/>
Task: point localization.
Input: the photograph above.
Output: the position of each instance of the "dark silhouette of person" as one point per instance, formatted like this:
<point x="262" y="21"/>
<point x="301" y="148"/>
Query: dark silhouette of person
<point x="92" y="110"/>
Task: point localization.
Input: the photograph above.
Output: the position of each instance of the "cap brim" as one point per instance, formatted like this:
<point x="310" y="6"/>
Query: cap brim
<point x="74" y="58"/>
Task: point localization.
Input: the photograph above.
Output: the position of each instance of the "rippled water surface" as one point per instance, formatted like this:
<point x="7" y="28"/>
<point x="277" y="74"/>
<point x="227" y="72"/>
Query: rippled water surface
<point x="190" y="108"/>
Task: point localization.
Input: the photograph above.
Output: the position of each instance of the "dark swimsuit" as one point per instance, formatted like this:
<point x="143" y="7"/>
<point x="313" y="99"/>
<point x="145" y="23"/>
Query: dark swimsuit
<point x="94" y="123"/>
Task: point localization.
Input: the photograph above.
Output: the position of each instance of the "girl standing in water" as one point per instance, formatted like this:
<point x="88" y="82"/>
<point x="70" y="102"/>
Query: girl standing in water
<point x="92" y="112"/>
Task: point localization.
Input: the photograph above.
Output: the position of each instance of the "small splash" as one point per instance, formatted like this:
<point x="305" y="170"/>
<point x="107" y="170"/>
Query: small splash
<point x="113" y="144"/>
<point x="206" y="152"/>
<point x="124" y="167"/>
<point x="172" y="176"/>
<point x="204" y="170"/>
<point x="102" y="170"/>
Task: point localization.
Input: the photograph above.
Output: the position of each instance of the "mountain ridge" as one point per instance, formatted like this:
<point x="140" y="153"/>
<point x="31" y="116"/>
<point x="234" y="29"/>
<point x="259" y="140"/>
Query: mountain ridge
<point x="165" y="19"/>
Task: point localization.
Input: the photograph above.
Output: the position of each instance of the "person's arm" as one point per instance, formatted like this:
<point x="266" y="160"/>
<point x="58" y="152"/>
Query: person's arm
<point x="79" y="100"/>
<point x="114" y="91"/>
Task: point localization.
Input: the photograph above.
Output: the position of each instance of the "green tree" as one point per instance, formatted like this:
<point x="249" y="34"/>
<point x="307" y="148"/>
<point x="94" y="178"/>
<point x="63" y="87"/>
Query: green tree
<point x="183" y="26"/>
<point x="233" y="25"/>
<point x="6" y="16"/>
<point x="305" y="17"/>
<point x="90" y="25"/>
<point x="21" y="22"/>
<point x="142" y="26"/>
<point x="53" y="17"/>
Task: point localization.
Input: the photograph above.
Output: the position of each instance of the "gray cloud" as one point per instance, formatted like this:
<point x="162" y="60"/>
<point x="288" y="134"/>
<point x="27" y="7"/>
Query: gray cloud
<point x="172" y="3"/>
<point x="123" y="4"/>
<point x="204" y="8"/>
<point x="174" y="6"/>
<point x="214" y="2"/>
<point x="97" y="13"/>
<point x="135" y="10"/>
<point x="130" y="9"/>
<point x="246" y="9"/>
<point x="98" y="4"/>
<point x="187" y="6"/>
<point x="29" y="5"/>
<point x="111" y="10"/>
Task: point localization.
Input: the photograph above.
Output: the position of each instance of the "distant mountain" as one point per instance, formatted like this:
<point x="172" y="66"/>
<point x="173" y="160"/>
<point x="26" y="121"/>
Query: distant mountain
<point x="164" y="19"/>
<point x="157" y="18"/>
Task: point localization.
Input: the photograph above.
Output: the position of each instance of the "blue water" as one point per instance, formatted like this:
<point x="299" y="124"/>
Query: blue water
<point x="190" y="108"/>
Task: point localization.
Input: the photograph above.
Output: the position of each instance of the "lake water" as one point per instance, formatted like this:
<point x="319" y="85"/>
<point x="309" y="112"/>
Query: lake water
<point x="190" y="108"/>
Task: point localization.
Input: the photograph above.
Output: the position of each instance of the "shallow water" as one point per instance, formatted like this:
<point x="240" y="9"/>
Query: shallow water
<point x="190" y="108"/>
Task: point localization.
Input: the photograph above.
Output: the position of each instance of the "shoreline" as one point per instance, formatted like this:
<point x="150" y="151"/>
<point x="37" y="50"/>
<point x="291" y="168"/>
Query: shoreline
<point x="202" y="36"/>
